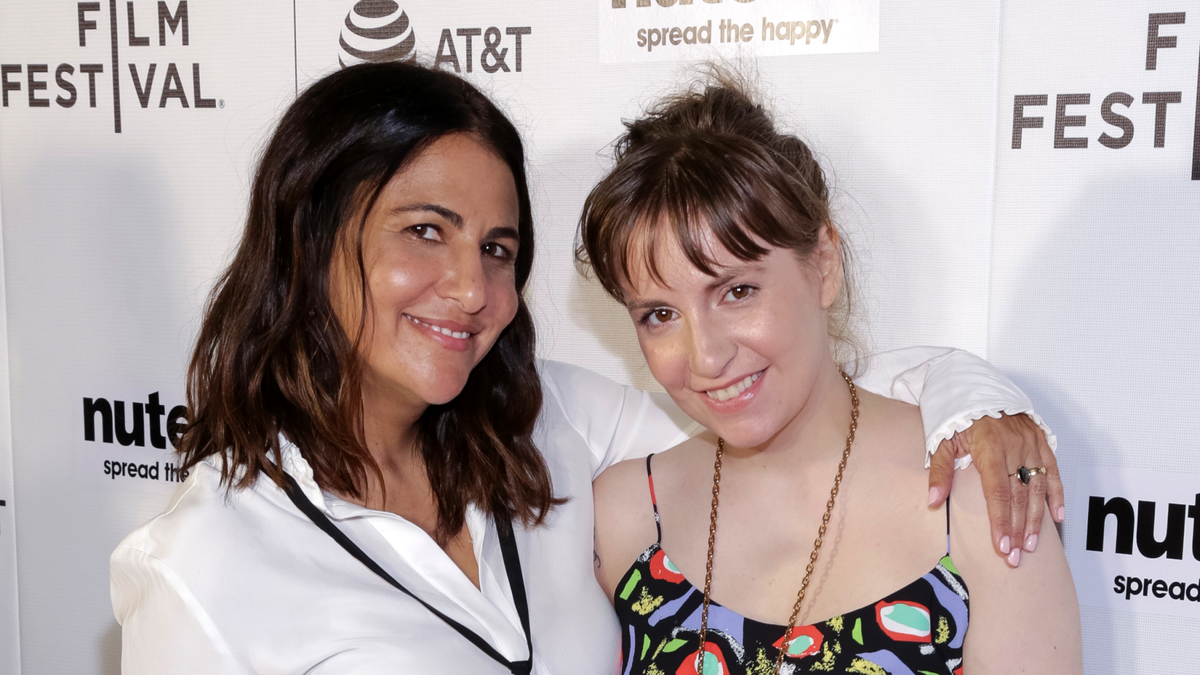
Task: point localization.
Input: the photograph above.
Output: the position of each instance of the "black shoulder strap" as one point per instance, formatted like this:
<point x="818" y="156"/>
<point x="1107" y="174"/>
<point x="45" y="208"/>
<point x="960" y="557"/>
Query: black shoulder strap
<point x="516" y="581"/>
<point x="947" y="529"/>
<point x="512" y="566"/>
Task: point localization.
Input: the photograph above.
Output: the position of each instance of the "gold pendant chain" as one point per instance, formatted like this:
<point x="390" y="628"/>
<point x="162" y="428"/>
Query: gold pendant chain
<point x="812" y="558"/>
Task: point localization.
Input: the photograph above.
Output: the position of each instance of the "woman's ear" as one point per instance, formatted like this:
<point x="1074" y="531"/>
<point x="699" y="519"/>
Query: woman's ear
<point x="828" y="257"/>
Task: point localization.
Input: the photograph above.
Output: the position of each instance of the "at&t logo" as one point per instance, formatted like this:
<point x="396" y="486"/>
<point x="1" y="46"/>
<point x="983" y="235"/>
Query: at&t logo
<point x="379" y="30"/>
<point x="376" y="31"/>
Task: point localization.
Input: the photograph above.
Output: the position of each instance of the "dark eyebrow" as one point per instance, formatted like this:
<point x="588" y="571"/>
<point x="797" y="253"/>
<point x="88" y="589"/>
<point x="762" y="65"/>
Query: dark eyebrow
<point x="644" y="305"/>
<point x="733" y="272"/>
<point x="455" y="219"/>
<point x="718" y="281"/>
<point x="504" y="233"/>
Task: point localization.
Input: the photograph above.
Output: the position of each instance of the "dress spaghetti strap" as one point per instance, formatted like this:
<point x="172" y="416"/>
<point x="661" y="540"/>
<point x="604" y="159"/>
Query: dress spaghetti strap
<point x="654" y="501"/>
<point x="947" y="524"/>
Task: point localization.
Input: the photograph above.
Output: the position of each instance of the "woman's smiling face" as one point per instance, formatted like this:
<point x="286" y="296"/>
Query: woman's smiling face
<point x="739" y="351"/>
<point x="439" y="250"/>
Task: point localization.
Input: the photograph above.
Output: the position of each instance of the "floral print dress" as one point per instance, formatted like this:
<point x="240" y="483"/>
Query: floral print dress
<point x="918" y="630"/>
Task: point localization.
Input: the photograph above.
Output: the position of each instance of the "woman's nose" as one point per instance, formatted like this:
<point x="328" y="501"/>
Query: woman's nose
<point x="464" y="281"/>
<point x="710" y="347"/>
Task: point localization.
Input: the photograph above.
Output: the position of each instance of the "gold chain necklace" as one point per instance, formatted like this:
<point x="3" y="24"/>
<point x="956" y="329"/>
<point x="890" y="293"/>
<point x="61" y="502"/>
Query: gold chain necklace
<point x="812" y="558"/>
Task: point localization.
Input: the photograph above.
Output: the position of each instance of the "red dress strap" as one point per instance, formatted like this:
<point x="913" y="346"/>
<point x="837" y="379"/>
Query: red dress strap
<point x="653" y="500"/>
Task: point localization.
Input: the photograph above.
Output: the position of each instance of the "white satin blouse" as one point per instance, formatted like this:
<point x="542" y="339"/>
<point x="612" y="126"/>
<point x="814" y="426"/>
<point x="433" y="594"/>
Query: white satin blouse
<point x="242" y="582"/>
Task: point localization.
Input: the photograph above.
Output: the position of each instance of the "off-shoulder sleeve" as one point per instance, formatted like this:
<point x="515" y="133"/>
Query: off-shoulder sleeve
<point x="617" y="422"/>
<point x="953" y="387"/>
<point x="164" y="630"/>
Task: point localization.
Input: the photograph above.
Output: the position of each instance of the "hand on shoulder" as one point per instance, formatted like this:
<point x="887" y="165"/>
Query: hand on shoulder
<point x="1024" y="619"/>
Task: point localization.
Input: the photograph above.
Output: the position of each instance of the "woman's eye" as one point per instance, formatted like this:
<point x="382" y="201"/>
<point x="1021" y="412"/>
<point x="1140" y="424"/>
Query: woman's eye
<point x="426" y="231"/>
<point x="739" y="292"/>
<point x="657" y="317"/>
<point x="497" y="251"/>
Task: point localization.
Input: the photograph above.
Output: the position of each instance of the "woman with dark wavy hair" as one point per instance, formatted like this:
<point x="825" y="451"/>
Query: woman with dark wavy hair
<point x="382" y="478"/>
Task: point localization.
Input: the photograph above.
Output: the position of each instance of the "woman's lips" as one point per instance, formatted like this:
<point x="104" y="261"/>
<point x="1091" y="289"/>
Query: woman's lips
<point x="736" y="396"/>
<point x="451" y="335"/>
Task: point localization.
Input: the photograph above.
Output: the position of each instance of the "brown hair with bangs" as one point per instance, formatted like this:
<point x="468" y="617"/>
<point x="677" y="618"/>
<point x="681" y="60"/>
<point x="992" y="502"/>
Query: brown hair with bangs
<point x="709" y="158"/>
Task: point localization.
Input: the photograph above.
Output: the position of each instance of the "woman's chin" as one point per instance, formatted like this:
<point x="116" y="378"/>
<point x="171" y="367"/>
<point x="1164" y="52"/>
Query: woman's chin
<point x="746" y="440"/>
<point x="441" y="395"/>
<point x="424" y="387"/>
<point x="744" y="433"/>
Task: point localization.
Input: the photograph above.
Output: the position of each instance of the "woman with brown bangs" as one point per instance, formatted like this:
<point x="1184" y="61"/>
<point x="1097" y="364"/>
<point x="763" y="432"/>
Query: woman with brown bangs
<point x="790" y="536"/>
<point x="383" y="477"/>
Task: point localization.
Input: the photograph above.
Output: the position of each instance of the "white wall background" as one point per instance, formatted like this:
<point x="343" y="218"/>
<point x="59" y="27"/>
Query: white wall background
<point x="1073" y="269"/>
<point x="10" y="647"/>
<point x="1094" y="305"/>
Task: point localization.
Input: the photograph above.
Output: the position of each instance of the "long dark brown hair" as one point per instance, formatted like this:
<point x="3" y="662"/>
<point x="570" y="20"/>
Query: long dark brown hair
<point x="272" y="359"/>
<point x="709" y="158"/>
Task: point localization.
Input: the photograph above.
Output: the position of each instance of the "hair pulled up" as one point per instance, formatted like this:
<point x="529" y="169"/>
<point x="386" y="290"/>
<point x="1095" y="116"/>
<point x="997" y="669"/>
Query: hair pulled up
<point x="707" y="159"/>
<point x="272" y="359"/>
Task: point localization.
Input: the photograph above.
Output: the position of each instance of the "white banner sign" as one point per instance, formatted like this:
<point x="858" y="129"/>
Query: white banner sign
<point x="1136" y="542"/>
<point x="1018" y="178"/>
<point x="675" y="30"/>
<point x="10" y="650"/>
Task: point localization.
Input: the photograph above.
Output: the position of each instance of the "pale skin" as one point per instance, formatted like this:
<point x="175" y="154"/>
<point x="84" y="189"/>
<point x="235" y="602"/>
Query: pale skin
<point x="784" y="438"/>
<point x="438" y="247"/>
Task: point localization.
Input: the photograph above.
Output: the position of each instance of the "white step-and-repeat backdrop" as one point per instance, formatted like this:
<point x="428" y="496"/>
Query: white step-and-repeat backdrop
<point x="1020" y="179"/>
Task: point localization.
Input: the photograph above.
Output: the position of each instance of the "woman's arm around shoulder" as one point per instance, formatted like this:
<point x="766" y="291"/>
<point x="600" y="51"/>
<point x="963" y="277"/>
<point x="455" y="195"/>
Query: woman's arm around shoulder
<point x="625" y="521"/>
<point x="164" y="628"/>
<point x="1023" y="620"/>
<point x="971" y="411"/>
<point x="617" y="421"/>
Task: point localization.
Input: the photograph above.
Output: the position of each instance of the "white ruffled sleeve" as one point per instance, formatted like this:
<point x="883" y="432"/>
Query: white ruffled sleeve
<point x="953" y="387"/>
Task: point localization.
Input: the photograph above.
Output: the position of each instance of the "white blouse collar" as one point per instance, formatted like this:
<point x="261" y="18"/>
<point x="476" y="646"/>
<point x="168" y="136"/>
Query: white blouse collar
<point x="491" y="604"/>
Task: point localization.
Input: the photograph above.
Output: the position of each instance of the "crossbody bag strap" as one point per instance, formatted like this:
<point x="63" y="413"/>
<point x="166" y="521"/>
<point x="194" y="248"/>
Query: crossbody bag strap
<point x="516" y="582"/>
<point x="512" y="565"/>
